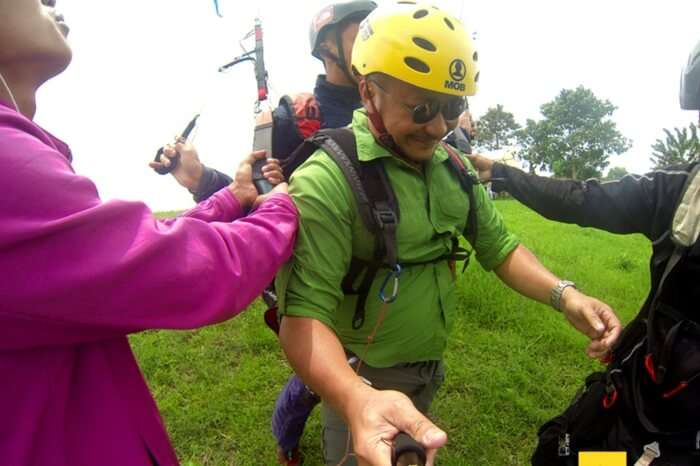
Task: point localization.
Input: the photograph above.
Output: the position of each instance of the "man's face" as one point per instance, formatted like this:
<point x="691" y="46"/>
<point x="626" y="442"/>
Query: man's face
<point x="394" y="100"/>
<point x="348" y="37"/>
<point x="33" y="33"/>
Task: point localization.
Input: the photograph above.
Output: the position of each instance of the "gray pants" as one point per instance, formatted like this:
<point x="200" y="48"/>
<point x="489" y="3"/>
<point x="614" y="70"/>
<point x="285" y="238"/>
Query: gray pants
<point x="419" y="381"/>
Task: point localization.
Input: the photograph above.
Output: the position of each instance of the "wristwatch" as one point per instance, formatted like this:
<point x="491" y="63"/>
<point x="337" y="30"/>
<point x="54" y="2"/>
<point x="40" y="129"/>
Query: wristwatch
<point x="557" y="291"/>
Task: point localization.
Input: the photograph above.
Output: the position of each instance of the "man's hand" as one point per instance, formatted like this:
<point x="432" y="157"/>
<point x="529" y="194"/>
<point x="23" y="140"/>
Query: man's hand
<point x="378" y="416"/>
<point x="243" y="187"/>
<point x="188" y="171"/>
<point x="483" y="165"/>
<point x="594" y="319"/>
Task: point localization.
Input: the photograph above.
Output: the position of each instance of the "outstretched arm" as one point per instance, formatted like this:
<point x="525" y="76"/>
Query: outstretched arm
<point x="525" y="274"/>
<point x="633" y="204"/>
<point x="375" y="417"/>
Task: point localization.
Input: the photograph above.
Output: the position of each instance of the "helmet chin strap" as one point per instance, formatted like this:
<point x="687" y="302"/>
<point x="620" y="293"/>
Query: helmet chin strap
<point x="9" y="92"/>
<point x="340" y="59"/>
<point x="385" y="139"/>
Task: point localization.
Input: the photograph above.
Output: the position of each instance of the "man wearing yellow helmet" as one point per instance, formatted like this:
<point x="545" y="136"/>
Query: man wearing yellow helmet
<point x="416" y="66"/>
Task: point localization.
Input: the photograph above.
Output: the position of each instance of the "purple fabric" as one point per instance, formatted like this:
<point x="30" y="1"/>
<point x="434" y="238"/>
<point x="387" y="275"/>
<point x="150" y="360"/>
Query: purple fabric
<point x="292" y="408"/>
<point x="79" y="274"/>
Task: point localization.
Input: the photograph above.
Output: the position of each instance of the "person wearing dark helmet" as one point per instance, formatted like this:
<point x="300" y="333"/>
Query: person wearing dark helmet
<point x="331" y="36"/>
<point x="637" y="412"/>
<point x="415" y="65"/>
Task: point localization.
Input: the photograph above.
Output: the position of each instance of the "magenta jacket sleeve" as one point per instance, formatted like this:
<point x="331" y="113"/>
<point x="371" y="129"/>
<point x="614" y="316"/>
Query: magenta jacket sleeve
<point x="77" y="269"/>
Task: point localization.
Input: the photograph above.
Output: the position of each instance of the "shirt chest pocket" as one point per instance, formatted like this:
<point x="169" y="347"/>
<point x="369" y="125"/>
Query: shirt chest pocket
<point x="450" y="209"/>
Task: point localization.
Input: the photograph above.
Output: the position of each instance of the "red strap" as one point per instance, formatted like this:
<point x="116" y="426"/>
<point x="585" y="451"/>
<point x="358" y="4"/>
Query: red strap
<point x="607" y="359"/>
<point x="452" y="153"/>
<point x="610" y="399"/>
<point x="671" y="393"/>
<point x="271" y="320"/>
<point x="649" y="365"/>
<point x="376" y="119"/>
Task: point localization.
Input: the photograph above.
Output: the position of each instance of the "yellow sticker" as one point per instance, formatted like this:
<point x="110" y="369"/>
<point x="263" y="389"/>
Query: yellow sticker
<point x="602" y="458"/>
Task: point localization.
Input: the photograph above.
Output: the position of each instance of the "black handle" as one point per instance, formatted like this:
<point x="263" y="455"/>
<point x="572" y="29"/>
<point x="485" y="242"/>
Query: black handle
<point x="173" y="163"/>
<point x="174" y="160"/>
<point x="261" y="184"/>
<point x="407" y="451"/>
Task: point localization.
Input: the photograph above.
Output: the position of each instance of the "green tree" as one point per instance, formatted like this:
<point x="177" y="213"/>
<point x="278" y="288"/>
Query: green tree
<point x="532" y="141"/>
<point x="681" y="146"/>
<point x="496" y="129"/>
<point x="575" y="138"/>
<point x="615" y="173"/>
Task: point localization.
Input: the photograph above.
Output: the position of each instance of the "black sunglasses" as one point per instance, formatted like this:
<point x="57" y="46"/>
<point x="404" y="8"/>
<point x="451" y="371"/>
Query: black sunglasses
<point x="425" y="112"/>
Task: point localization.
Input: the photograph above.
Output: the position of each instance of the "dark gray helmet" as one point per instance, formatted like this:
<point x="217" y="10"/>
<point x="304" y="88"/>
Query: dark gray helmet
<point x="690" y="81"/>
<point x="334" y="14"/>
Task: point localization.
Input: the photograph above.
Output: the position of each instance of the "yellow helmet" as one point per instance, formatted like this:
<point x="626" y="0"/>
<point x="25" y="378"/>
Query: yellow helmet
<point x="418" y="44"/>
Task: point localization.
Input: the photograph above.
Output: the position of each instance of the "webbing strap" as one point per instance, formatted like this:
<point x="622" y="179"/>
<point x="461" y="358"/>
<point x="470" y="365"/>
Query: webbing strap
<point x="376" y="204"/>
<point x="379" y="210"/>
<point x="467" y="180"/>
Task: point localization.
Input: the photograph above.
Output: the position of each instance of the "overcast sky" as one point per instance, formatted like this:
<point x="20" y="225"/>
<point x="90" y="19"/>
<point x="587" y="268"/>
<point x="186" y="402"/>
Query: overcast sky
<point x="141" y="69"/>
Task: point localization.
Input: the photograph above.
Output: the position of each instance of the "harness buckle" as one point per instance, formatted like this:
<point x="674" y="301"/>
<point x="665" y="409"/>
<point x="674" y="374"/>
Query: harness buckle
<point x="385" y="218"/>
<point x="564" y="447"/>
<point x="651" y="452"/>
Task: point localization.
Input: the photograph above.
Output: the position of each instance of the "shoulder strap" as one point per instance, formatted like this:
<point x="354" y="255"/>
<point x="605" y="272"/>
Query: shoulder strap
<point x="376" y="204"/>
<point x="685" y="227"/>
<point x="298" y="157"/>
<point x="467" y="181"/>
<point x="369" y="183"/>
<point x="685" y="218"/>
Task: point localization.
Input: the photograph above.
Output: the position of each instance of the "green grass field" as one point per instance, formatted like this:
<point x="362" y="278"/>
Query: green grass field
<point x="511" y="363"/>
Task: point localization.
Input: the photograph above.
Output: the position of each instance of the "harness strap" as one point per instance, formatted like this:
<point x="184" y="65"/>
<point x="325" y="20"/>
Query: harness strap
<point x="376" y="204"/>
<point x="467" y="180"/>
<point x="378" y="207"/>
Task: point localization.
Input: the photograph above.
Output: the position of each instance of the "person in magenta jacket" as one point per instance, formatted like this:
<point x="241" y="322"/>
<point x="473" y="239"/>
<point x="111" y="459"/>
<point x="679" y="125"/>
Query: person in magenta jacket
<point x="79" y="274"/>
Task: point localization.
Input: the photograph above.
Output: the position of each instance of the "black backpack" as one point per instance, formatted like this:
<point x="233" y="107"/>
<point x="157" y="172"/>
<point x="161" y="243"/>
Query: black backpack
<point x="378" y="207"/>
<point x="647" y="402"/>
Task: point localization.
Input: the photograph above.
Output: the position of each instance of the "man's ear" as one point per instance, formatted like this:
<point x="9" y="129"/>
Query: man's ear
<point x="366" y="92"/>
<point x="328" y="47"/>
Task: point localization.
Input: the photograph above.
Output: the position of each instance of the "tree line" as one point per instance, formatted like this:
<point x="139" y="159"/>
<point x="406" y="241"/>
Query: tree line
<point x="576" y="136"/>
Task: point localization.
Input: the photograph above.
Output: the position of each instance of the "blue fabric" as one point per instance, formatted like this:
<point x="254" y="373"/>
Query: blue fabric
<point x="292" y="408"/>
<point x="337" y="103"/>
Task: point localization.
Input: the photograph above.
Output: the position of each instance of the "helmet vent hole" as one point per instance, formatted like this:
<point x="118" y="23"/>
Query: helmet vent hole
<point x="407" y="3"/>
<point x="476" y="78"/>
<point x="417" y="65"/>
<point x="424" y="44"/>
<point x="449" y="24"/>
<point x="420" y="14"/>
<point x="475" y="57"/>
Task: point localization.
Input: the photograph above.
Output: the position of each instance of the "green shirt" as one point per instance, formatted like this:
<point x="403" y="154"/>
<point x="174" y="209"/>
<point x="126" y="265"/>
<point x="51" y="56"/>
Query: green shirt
<point x="433" y="209"/>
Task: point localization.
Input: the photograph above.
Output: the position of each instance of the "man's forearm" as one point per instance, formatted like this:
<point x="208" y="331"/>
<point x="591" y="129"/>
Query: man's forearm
<point x="316" y="354"/>
<point x="523" y="272"/>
